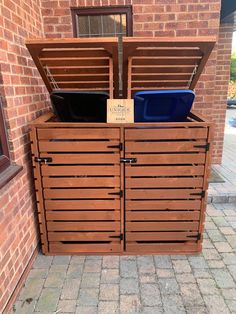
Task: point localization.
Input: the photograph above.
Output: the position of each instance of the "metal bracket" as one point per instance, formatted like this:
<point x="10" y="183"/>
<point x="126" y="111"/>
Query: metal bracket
<point x="202" y="194"/>
<point x="207" y="146"/>
<point x="43" y="160"/>
<point x="121" y="237"/>
<point x="128" y="160"/>
<point x="199" y="236"/>
<point x="117" y="193"/>
<point x="120" y="146"/>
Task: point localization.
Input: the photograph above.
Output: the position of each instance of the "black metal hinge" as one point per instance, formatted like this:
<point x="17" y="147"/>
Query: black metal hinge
<point x="121" y="237"/>
<point x="202" y="194"/>
<point x="206" y="146"/>
<point x="128" y="160"/>
<point x="44" y="160"/>
<point x="120" y="146"/>
<point x="199" y="236"/>
<point x="117" y="193"/>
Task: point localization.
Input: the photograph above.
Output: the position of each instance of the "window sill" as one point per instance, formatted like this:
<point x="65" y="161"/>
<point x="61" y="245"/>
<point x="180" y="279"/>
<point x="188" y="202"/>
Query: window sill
<point x="9" y="174"/>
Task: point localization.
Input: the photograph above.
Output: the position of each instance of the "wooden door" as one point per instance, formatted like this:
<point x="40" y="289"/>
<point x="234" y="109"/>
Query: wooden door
<point x="81" y="188"/>
<point x="164" y="198"/>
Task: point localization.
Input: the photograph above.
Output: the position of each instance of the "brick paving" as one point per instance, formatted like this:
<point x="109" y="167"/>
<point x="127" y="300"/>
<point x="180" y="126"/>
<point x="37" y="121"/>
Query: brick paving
<point x="205" y="283"/>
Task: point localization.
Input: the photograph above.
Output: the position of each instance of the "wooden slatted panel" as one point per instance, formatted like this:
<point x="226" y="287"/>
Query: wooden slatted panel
<point x="81" y="187"/>
<point x="164" y="188"/>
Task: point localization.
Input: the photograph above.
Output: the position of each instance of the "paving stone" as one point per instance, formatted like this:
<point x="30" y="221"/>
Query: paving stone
<point x="74" y="271"/>
<point x="43" y="261"/>
<point x="150" y="295"/>
<point x="223" y="247"/>
<point x="130" y="304"/>
<point x="70" y="289"/>
<point x="163" y="261"/>
<point x="231" y="240"/>
<point x="93" y="257"/>
<point x="77" y="259"/>
<point x="179" y="257"/>
<point x="215" y="303"/>
<point x="110" y="276"/>
<point x="211" y="254"/>
<point x="147" y="278"/>
<point x="207" y="244"/>
<point x="32" y="289"/>
<point x="54" y="279"/>
<point x="58" y="268"/>
<point x="128" y="258"/>
<point x="129" y="286"/>
<point x="23" y="307"/>
<point x="109" y="292"/>
<point x="168" y="286"/>
<point x="232" y="270"/>
<point x="110" y="261"/>
<point x="68" y="306"/>
<point x="145" y="264"/>
<point x="223" y="278"/>
<point x="220" y="221"/>
<point x="231" y="305"/>
<point x="86" y="310"/>
<point x="48" y="300"/>
<point x="191" y="295"/>
<point x="38" y="273"/>
<point x="198" y="262"/>
<point x="227" y="230"/>
<point x="152" y="310"/>
<point x="92" y="266"/>
<point x="181" y="266"/>
<point x="185" y="278"/>
<point x="229" y="258"/>
<point x="173" y="304"/>
<point x="207" y="286"/>
<point x="105" y="307"/>
<point x="88" y="297"/>
<point x="215" y="264"/>
<point x="210" y="225"/>
<point x="229" y="294"/>
<point x="202" y="273"/>
<point x="216" y="235"/>
<point x="90" y="280"/>
<point x="197" y="310"/>
<point x="128" y="269"/>
<point x="61" y="260"/>
<point x="165" y="273"/>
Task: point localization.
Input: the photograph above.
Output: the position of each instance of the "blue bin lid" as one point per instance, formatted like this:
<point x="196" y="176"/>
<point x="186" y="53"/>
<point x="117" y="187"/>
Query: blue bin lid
<point x="173" y="93"/>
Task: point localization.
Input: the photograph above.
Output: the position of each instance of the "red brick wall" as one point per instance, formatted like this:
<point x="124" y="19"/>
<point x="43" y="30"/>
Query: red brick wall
<point x="23" y="96"/>
<point x="158" y="18"/>
<point x="222" y="77"/>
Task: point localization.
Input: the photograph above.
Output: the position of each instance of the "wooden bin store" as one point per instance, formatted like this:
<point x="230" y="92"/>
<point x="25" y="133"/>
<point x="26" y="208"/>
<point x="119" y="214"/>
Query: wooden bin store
<point x="135" y="188"/>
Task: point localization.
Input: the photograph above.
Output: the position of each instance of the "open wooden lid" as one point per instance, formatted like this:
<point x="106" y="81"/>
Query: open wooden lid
<point x="148" y="63"/>
<point x="76" y="64"/>
<point x="164" y="63"/>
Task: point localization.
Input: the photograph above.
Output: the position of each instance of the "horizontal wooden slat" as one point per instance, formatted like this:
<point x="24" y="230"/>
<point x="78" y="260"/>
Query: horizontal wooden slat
<point x="193" y="158"/>
<point x="82" y="204"/>
<point x="80" y="226"/>
<point x="78" y="133"/>
<point x="58" y="53"/>
<point x="80" y="170"/>
<point x="163" y="182"/>
<point x="158" y="215"/>
<point x="82" y="84"/>
<point x="161" y="205"/>
<point x="82" y="77"/>
<point x="164" y="170"/>
<point x="83" y="236"/>
<point x="166" y="133"/>
<point x="162" y="69"/>
<point x="57" y="247"/>
<point x="160" y="77"/>
<point x="161" y="226"/>
<point x="80" y="193"/>
<point x="77" y="146"/>
<point x="155" y="147"/>
<point x="83" y="158"/>
<point x="81" y="182"/>
<point x="83" y="215"/>
<point x="141" y="84"/>
<point x="81" y="62"/>
<point x="162" y="194"/>
<point x="165" y="60"/>
<point x="165" y="248"/>
<point x="78" y="70"/>
<point x="160" y="236"/>
<point x="164" y="52"/>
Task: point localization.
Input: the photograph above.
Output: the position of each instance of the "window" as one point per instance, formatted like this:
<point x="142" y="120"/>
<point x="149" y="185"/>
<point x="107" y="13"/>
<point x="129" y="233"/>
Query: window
<point x="4" y="152"/>
<point x="102" y="21"/>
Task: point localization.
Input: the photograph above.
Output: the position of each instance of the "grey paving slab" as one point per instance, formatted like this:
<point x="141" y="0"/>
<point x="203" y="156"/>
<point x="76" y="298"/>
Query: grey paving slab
<point x="48" y="300"/>
<point x="150" y="295"/>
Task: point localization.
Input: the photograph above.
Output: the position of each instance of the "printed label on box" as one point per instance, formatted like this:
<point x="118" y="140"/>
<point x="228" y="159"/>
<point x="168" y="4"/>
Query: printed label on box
<point x="120" y="110"/>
